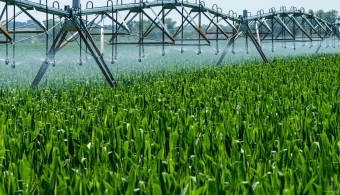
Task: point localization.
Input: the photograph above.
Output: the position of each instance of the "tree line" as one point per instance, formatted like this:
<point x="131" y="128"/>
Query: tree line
<point x="328" y="16"/>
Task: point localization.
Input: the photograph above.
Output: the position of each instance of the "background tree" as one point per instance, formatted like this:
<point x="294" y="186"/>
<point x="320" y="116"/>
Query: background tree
<point x="156" y="33"/>
<point x="328" y="16"/>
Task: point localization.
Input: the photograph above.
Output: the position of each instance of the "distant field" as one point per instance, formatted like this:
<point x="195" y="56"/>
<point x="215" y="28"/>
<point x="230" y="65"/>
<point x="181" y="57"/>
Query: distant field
<point x="250" y="129"/>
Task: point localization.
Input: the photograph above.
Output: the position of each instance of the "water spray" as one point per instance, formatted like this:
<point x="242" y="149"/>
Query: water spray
<point x="276" y="26"/>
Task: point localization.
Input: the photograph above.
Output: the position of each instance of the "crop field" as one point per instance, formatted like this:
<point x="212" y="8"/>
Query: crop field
<point x="249" y="128"/>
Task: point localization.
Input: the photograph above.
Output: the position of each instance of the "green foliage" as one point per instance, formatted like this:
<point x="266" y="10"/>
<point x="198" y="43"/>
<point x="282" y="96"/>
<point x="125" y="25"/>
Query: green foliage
<point x="253" y="129"/>
<point x="328" y="16"/>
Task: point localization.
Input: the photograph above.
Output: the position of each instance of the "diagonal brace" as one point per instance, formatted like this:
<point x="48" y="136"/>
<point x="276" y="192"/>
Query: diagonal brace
<point x="3" y="12"/>
<point x="257" y="45"/>
<point x="119" y="24"/>
<point x="311" y="26"/>
<point x="279" y="20"/>
<point x="322" y="27"/>
<point x="160" y="27"/>
<point x="4" y="30"/>
<point x="185" y="24"/>
<point x="195" y="26"/>
<point x="299" y="25"/>
<point x="128" y="22"/>
<point x="152" y="26"/>
<point x="216" y="24"/>
<point x="32" y="18"/>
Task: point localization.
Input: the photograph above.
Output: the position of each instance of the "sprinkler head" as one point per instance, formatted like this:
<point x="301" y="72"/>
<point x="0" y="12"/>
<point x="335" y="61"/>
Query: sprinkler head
<point x="53" y="64"/>
<point x="7" y="61"/>
<point x="139" y="60"/>
<point x="199" y="52"/>
<point x="233" y="52"/>
<point x="217" y="52"/>
<point x="13" y="64"/>
<point x="80" y="63"/>
<point x="46" y="61"/>
<point x="182" y="51"/>
<point x="112" y="61"/>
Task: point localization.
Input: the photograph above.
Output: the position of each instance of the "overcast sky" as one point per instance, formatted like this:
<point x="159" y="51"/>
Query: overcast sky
<point x="236" y="5"/>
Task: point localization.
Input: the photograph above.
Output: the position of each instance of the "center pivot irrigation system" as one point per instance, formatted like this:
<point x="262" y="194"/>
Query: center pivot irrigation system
<point x="73" y="23"/>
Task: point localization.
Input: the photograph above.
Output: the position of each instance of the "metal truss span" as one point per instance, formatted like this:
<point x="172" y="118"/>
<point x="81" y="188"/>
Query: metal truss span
<point x="283" y="25"/>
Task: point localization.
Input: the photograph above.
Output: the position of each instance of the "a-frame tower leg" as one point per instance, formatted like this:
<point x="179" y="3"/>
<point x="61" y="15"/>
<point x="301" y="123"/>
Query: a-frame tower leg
<point x="252" y="38"/>
<point x="87" y="39"/>
<point x="230" y="43"/>
<point x="98" y="57"/>
<point x="50" y="56"/>
<point x="257" y="45"/>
